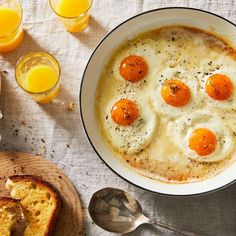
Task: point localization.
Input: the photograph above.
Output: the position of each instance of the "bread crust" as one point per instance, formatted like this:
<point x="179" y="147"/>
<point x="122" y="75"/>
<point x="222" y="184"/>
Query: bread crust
<point x="18" y="220"/>
<point x="50" y="188"/>
<point x="5" y="200"/>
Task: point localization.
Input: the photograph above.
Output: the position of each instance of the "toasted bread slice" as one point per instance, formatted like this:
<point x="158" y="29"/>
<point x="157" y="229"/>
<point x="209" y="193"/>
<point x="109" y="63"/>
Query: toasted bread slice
<point x="11" y="217"/>
<point x="40" y="203"/>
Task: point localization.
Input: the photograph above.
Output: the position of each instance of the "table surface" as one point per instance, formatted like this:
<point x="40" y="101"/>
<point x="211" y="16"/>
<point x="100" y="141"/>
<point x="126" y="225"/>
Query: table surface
<point x="58" y="134"/>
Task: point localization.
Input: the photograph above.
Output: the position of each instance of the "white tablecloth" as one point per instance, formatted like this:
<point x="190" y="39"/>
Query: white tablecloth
<point x="65" y="142"/>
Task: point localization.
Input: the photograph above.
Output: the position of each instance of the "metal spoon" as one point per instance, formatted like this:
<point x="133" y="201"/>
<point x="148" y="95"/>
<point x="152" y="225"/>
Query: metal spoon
<point x="117" y="211"/>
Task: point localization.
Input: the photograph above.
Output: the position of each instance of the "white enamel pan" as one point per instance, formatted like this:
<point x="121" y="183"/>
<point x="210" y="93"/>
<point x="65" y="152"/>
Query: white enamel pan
<point x="143" y="22"/>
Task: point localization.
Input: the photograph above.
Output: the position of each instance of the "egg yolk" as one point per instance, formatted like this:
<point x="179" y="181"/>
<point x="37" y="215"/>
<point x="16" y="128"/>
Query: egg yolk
<point x="203" y="141"/>
<point x="124" y="112"/>
<point x="133" y="68"/>
<point x="219" y="87"/>
<point x="175" y="93"/>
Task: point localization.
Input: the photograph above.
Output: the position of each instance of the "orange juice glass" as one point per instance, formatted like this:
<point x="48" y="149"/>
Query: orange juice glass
<point x="38" y="74"/>
<point x="11" y="31"/>
<point x="74" y="14"/>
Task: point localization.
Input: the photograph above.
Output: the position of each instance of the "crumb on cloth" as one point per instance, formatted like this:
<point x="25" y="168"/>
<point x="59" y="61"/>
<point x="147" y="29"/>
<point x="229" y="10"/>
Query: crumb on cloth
<point x="71" y="106"/>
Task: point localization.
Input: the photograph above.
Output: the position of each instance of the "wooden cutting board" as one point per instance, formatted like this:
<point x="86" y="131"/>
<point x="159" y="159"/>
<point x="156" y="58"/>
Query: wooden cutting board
<point x="70" y="221"/>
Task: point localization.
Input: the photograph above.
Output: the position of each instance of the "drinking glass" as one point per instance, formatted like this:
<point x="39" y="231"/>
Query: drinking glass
<point x="32" y="60"/>
<point x="11" y="13"/>
<point x="73" y="23"/>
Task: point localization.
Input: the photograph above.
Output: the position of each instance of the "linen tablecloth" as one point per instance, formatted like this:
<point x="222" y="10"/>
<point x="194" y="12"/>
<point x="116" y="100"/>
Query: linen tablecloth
<point x="57" y="133"/>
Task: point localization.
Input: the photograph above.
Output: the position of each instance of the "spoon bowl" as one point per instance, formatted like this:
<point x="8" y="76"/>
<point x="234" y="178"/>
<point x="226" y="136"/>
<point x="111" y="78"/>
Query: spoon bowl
<point x="116" y="211"/>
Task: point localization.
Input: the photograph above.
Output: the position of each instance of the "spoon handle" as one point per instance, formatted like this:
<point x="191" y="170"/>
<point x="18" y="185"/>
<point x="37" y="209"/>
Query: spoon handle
<point x="173" y="229"/>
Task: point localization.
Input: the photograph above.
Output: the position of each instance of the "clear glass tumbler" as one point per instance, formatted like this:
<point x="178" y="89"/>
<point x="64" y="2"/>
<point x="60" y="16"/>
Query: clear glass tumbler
<point x="74" y="14"/>
<point x="11" y="31"/>
<point x="38" y="74"/>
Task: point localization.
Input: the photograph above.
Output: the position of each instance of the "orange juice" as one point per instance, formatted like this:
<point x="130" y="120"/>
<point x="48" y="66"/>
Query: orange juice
<point x="10" y="35"/>
<point x="73" y="8"/>
<point x="42" y="78"/>
<point x="9" y="20"/>
<point x="74" y="14"/>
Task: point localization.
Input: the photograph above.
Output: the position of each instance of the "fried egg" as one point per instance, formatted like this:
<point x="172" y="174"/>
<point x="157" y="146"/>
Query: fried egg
<point x="175" y="92"/>
<point x="129" y="124"/>
<point x="136" y="63"/>
<point x="202" y="136"/>
<point x="218" y="81"/>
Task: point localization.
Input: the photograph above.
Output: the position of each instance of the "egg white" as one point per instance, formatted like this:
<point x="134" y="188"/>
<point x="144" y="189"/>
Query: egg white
<point x="188" y="78"/>
<point x="132" y="138"/>
<point x="181" y="129"/>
